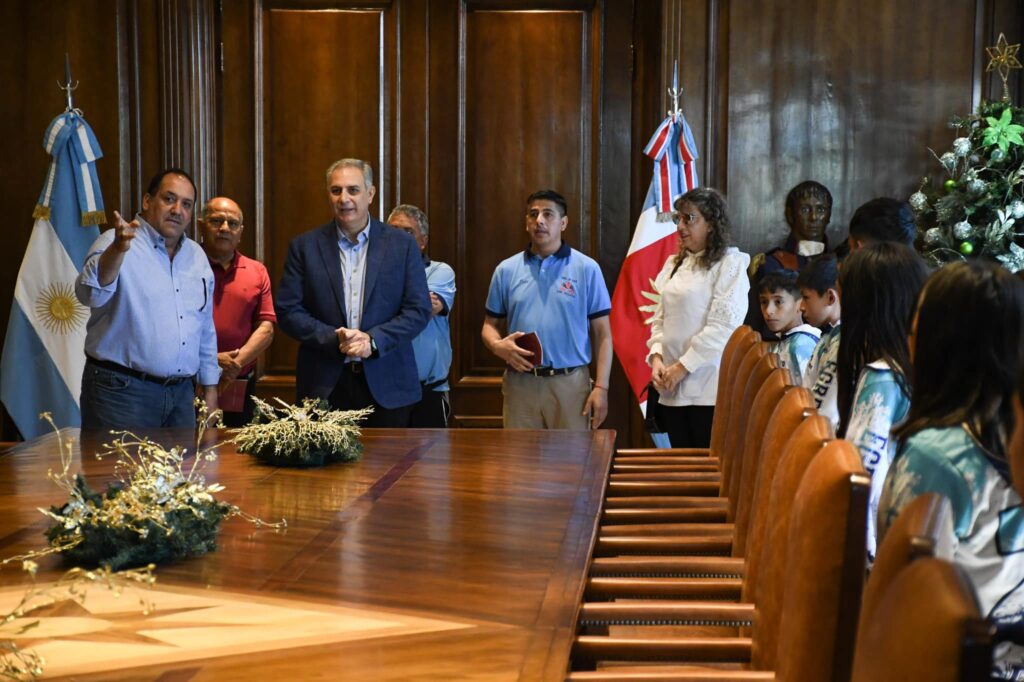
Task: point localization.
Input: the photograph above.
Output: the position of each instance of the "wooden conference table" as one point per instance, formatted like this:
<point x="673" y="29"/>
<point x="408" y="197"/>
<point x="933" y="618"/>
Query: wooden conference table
<point x="441" y="555"/>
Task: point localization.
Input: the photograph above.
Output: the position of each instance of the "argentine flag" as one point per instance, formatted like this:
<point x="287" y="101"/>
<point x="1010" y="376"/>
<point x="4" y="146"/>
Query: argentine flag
<point x="43" y="355"/>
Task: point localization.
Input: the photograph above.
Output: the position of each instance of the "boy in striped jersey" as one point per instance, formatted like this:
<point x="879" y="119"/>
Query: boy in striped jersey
<point x="780" y="305"/>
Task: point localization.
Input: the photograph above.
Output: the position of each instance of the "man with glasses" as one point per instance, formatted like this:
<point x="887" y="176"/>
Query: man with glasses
<point x="150" y="334"/>
<point x="243" y="308"/>
<point x="558" y="294"/>
<point x="433" y="346"/>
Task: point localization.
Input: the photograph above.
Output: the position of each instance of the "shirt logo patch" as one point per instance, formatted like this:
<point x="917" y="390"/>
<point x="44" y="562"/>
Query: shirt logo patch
<point x="567" y="288"/>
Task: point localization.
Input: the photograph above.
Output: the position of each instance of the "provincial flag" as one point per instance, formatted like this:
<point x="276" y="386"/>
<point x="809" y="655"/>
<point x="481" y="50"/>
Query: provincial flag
<point x="674" y="152"/>
<point x="43" y="353"/>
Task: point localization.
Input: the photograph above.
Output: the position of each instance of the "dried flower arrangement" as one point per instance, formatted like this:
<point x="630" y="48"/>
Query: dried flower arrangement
<point x="307" y="435"/>
<point x="159" y="509"/>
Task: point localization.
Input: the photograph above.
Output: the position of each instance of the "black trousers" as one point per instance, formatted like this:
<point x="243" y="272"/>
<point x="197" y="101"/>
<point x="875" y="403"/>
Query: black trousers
<point x="689" y="426"/>
<point x="352" y="393"/>
<point x="432" y="411"/>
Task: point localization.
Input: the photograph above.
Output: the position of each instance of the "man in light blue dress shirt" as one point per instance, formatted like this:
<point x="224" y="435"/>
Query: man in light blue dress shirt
<point x="150" y="334"/>
<point x="433" y="347"/>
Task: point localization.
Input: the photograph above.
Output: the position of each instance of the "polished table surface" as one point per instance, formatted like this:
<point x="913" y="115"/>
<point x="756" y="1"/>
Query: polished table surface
<point x="475" y="541"/>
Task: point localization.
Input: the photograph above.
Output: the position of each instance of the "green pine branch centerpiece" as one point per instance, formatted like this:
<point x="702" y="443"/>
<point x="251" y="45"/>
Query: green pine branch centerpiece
<point x="159" y="508"/>
<point x="978" y="209"/>
<point x="306" y="435"/>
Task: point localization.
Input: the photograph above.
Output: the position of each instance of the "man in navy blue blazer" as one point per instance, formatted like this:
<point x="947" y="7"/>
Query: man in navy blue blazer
<point x="354" y="295"/>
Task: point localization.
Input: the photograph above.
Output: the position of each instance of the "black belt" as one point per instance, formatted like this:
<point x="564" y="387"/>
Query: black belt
<point x="551" y="371"/>
<point x="121" y="369"/>
<point x="432" y="385"/>
<point x="354" y="367"/>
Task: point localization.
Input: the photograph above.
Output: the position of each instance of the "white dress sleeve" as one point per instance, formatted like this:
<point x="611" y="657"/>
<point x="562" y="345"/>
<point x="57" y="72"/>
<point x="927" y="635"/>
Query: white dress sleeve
<point x="726" y="313"/>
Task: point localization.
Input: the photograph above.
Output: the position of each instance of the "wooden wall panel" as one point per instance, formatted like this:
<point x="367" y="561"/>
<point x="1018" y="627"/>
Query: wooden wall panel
<point x="535" y="97"/>
<point x="323" y="99"/>
<point x="236" y="155"/>
<point x="810" y="100"/>
<point x="526" y="114"/>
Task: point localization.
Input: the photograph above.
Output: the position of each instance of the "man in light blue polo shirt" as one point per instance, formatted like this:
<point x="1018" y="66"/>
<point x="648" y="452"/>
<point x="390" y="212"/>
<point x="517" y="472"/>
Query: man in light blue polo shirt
<point x="558" y="293"/>
<point x="433" y="347"/>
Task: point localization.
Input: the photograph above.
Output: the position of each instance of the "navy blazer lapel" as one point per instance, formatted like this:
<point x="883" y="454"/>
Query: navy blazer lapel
<point x="327" y="242"/>
<point x="380" y="242"/>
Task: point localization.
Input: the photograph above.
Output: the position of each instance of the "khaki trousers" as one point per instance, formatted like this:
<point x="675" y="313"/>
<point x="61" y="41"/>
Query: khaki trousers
<point x="533" y="402"/>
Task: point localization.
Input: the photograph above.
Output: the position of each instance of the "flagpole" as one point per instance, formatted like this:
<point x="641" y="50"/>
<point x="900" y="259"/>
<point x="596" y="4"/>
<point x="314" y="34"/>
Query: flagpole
<point x="68" y="88"/>
<point x="675" y="92"/>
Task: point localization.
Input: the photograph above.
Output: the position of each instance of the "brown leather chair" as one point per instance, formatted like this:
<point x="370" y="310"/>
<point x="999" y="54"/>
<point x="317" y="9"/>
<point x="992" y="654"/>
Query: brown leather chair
<point x="757" y="364"/>
<point x="925" y="628"/>
<point x="627" y="537"/>
<point x="824" y="568"/>
<point x="794" y="434"/>
<point x="923" y="529"/>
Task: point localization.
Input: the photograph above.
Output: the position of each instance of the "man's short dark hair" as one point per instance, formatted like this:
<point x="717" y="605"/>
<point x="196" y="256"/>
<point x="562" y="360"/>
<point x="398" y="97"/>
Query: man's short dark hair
<point x="783" y="280"/>
<point x="549" y="195"/>
<point x="820" y="274"/>
<point x="154" y="184"/>
<point x="808" y="188"/>
<point x="884" y="220"/>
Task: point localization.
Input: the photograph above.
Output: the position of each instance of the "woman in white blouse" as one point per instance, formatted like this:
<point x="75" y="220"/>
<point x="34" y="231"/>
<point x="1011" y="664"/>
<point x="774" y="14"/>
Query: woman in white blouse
<point x="703" y="300"/>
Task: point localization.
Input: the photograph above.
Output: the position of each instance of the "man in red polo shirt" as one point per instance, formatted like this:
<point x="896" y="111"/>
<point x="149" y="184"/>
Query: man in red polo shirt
<point x="243" y="308"/>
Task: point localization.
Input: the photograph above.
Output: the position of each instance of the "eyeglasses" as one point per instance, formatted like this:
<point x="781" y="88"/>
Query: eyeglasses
<point x="686" y="218"/>
<point x="217" y="222"/>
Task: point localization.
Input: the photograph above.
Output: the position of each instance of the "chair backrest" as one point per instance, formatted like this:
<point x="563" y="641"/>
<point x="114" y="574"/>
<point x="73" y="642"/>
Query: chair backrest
<point x="824" y="568"/>
<point x="926" y="627"/>
<point x="767" y="398"/>
<point x="736" y="347"/>
<point x="923" y="529"/>
<point x="808" y="438"/>
<point x="755" y="368"/>
<point x="751" y="528"/>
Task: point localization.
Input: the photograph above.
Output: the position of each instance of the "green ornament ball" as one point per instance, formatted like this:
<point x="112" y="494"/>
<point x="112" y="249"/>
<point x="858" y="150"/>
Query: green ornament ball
<point x="966" y="248"/>
<point x="950" y="184"/>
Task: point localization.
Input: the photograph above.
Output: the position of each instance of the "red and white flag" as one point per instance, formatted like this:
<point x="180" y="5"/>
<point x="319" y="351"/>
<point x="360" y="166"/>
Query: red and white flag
<point x="636" y="293"/>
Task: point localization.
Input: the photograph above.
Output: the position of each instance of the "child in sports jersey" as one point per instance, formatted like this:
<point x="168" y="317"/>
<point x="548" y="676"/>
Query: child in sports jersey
<point x="879" y="286"/>
<point x="819" y="303"/>
<point x="954" y="441"/>
<point x="780" y="307"/>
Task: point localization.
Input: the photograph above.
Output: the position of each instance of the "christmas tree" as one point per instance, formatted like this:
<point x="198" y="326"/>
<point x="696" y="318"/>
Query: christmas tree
<point x="978" y="209"/>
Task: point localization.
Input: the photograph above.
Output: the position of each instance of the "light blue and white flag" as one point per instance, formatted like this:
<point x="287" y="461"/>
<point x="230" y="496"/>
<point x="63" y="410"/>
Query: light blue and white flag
<point x="43" y="355"/>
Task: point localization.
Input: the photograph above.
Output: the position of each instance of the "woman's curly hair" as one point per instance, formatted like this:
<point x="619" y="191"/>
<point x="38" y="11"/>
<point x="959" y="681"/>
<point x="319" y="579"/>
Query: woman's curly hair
<point x="711" y="205"/>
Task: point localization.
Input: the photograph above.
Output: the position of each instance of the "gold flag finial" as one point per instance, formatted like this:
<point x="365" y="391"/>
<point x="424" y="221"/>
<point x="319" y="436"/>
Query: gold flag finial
<point x="1003" y="58"/>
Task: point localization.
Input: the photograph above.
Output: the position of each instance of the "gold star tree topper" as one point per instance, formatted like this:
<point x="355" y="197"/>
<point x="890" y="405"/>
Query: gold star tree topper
<point x="1003" y="58"/>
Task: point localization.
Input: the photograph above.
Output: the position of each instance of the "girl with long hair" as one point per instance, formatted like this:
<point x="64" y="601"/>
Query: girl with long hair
<point x="879" y="285"/>
<point x="967" y="357"/>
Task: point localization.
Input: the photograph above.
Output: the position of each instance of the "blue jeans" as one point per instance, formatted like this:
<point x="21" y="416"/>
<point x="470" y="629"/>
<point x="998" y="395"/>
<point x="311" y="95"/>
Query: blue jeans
<point x="112" y="400"/>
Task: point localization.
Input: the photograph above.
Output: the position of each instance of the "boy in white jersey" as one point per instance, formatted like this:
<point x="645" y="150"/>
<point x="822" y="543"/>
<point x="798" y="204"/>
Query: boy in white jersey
<point x="820" y="307"/>
<point x="780" y="306"/>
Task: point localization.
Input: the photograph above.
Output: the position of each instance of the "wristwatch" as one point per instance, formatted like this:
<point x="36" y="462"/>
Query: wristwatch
<point x="373" y="348"/>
